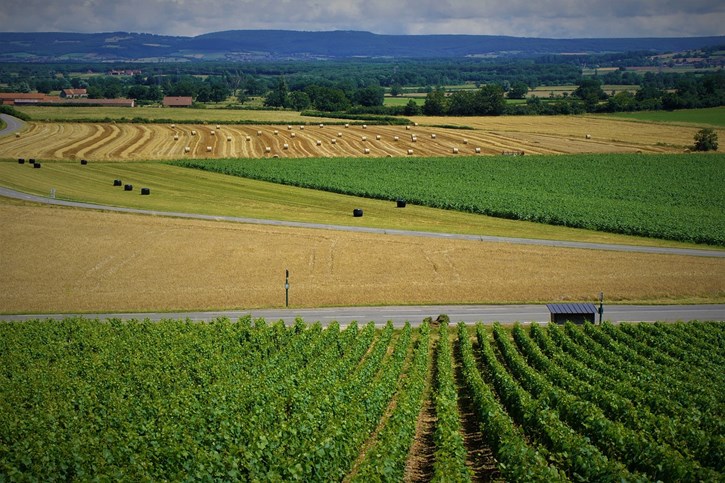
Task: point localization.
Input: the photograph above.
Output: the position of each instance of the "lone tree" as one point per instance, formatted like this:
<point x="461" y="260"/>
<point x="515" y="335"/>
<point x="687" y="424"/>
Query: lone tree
<point x="706" y="140"/>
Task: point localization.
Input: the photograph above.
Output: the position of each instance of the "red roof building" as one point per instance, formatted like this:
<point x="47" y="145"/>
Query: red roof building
<point x="12" y="98"/>
<point x="170" y="101"/>
<point x="73" y="93"/>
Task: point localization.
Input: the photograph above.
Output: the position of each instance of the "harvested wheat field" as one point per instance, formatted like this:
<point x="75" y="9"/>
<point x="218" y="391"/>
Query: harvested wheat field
<point x="65" y="260"/>
<point x="490" y="135"/>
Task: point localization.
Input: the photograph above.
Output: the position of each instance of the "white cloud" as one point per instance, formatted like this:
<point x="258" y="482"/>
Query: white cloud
<point x="543" y="18"/>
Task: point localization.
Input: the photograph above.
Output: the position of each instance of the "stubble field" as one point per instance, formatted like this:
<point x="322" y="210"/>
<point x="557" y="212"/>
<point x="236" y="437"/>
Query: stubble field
<point x="69" y="260"/>
<point x="528" y="134"/>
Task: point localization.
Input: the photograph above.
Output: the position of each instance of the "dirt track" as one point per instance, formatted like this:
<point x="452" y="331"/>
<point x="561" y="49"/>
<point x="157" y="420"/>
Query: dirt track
<point x="547" y="135"/>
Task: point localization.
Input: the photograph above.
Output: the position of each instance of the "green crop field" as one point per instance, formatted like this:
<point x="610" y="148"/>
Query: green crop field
<point x="252" y="401"/>
<point x="181" y="190"/>
<point x="403" y="101"/>
<point x="714" y="116"/>
<point x="159" y="114"/>
<point x="675" y="197"/>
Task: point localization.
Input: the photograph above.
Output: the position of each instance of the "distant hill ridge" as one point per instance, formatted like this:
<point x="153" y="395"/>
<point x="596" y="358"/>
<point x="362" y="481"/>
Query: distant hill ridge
<point x="289" y="44"/>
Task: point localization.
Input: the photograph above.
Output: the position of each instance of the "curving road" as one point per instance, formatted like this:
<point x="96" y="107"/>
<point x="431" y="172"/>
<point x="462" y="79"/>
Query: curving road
<point x="13" y="124"/>
<point x="400" y="314"/>
<point x="694" y="252"/>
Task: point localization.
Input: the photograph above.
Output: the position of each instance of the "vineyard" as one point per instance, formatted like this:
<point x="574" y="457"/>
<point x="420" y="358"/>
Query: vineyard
<point x="673" y="197"/>
<point x="258" y="401"/>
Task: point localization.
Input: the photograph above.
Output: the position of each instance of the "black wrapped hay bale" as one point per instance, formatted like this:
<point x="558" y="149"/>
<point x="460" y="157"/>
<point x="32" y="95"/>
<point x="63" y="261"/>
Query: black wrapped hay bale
<point x="21" y="160"/>
<point x="357" y="212"/>
<point x="145" y="191"/>
<point x="84" y="162"/>
<point x="117" y="182"/>
<point x="36" y="165"/>
<point x="400" y="203"/>
<point x="128" y="187"/>
<point x="31" y="160"/>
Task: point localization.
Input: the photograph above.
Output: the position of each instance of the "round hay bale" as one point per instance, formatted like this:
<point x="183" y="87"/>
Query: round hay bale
<point x="208" y="149"/>
<point x="117" y="182"/>
<point x="400" y="203"/>
<point x="302" y="128"/>
<point x="396" y="138"/>
<point x="289" y="128"/>
<point x="218" y="126"/>
<point x="364" y="138"/>
<point x="415" y="124"/>
<point x="248" y="138"/>
<point x="366" y="151"/>
<point x="321" y="125"/>
<point x="347" y="125"/>
<point x="21" y="160"/>
<point x="333" y="141"/>
<point x="229" y="138"/>
<point x="128" y="187"/>
<point x="259" y="133"/>
<point x="339" y="134"/>
<point x="275" y="156"/>
<point x="588" y="136"/>
<point x="187" y="149"/>
<point x="293" y="135"/>
<point x="365" y="126"/>
<point x="145" y="191"/>
<point x="17" y="134"/>
<point x="432" y="136"/>
<point x="267" y="149"/>
<point x="478" y="150"/>
<point x="173" y="126"/>
<point x="465" y="141"/>
<point x="455" y="150"/>
<point x="410" y="152"/>
<point x="378" y="137"/>
<point x="285" y="146"/>
<point x="357" y="212"/>
<point x="276" y="133"/>
<point x="414" y="139"/>
<point x="84" y="162"/>
<point x="319" y="143"/>
<point x="193" y="133"/>
<point x="176" y="137"/>
<point x="407" y="128"/>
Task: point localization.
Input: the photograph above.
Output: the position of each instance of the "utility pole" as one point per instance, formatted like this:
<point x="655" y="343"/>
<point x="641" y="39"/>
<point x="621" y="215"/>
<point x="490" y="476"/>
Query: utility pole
<point x="286" y="288"/>
<point x="601" y="306"/>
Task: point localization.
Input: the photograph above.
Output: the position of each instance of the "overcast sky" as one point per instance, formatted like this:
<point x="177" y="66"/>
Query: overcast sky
<point x="521" y="18"/>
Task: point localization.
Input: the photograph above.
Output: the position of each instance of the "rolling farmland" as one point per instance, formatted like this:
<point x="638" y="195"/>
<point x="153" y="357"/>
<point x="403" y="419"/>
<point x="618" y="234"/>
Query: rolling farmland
<point x="250" y="400"/>
<point x="539" y="135"/>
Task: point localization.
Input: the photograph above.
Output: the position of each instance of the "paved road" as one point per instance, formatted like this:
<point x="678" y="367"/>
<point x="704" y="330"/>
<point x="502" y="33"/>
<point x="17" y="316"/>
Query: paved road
<point x="380" y="231"/>
<point x="13" y="124"/>
<point x="400" y="314"/>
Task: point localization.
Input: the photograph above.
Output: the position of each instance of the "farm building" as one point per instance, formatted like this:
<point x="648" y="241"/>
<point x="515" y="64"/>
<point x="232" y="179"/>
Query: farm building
<point x="13" y="98"/>
<point x="73" y="93"/>
<point x="171" y="101"/>
<point x="93" y="102"/>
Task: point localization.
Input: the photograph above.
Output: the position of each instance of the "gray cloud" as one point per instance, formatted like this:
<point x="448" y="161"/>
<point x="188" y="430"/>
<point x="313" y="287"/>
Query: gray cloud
<point x="543" y="18"/>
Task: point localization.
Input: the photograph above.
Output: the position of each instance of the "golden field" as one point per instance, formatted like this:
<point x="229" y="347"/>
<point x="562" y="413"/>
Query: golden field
<point x="68" y="260"/>
<point x="489" y="135"/>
